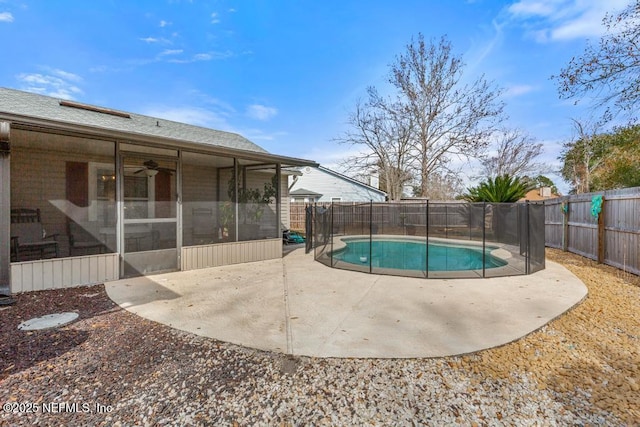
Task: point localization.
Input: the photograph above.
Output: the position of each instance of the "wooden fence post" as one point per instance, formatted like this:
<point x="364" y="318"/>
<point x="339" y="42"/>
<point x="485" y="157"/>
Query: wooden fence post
<point x="565" y="226"/>
<point x="601" y="236"/>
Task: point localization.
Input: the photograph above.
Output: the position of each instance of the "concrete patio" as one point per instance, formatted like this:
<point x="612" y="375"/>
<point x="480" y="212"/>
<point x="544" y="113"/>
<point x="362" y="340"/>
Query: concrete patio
<point x="297" y="306"/>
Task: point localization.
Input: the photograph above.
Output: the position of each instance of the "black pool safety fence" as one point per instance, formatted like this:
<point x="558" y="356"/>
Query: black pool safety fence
<point x="429" y="239"/>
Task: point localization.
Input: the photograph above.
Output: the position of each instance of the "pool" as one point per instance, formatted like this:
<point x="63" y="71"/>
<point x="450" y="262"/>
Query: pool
<point x="412" y="255"/>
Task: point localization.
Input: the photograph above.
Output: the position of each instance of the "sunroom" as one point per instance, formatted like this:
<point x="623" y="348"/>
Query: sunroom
<point x="91" y="194"/>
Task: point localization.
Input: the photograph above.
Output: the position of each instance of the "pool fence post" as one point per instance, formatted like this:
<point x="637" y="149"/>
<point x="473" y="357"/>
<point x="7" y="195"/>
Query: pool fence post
<point x="446" y="221"/>
<point x="484" y="236"/>
<point x="370" y="233"/>
<point x="331" y="236"/>
<point x="470" y="216"/>
<point x="312" y="227"/>
<point x="426" y="227"/>
<point x="527" y="266"/>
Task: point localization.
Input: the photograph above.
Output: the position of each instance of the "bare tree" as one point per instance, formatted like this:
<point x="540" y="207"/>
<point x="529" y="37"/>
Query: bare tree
<point x="516" y="155"/>
<point x="582" y="156"/>
<point x="610" y="70"/>
<point x="449" y="118"/>
<point x="385" y="136"/>
<point x="446" y="185"/>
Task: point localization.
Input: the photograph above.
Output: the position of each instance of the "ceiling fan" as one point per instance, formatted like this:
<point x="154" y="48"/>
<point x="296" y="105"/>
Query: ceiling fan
<point x="151" y="168"/>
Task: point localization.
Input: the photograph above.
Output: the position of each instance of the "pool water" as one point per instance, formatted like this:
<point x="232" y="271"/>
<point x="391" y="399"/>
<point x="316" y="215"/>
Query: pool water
<point x="408" y="255"/>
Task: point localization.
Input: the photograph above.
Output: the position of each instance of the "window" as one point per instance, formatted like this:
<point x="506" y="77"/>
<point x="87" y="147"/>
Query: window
<point x="138" y="192"/>
<point x="102" y="192"/>
<point x="136" y="196"/>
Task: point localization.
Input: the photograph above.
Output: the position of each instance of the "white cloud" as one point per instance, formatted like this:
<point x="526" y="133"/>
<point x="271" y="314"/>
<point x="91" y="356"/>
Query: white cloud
<point x="333" y="156"/>
<point x="164" y="23"/>
<point x="154" y="40"/>
<point x="98" y="69"/>
<point x="66" y="75"/>
<point x="534" y="7"/>
<point x="6" y="17"/>
<point x="518" y="90"/>
<point x="191" y="115"/>
<point x="171" y="52"/>
<point x="59" y="83"/>
<point x="260" y="135"/>
<point x="558" y="20"/>
<point x="208" y="56"/>
<point x="202" y="57"/>
<point x="208" y="99"/>
<point x="214" y="18"/>
<point x="261" y="112"/>
<point x="479" y="53"/>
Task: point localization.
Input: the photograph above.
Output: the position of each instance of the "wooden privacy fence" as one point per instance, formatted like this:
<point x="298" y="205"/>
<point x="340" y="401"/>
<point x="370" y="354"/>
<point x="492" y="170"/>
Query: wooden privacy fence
<point x="612" y="237"/>
<point x="448" y="214"/>
<point x="297" y="216"/>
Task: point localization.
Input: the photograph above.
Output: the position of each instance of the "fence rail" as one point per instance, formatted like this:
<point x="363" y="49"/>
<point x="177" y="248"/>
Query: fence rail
<point x="612" y="237"/>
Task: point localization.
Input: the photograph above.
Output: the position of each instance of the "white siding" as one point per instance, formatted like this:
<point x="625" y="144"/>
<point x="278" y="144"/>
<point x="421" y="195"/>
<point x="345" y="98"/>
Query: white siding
<point x="216" y="255"/>
<point x="332" y="186"/>
<point x="60" y="273"/>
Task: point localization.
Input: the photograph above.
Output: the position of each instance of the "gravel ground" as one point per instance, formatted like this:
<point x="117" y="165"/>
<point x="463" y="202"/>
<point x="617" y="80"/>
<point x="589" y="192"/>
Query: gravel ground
<point x="111" y="367"/>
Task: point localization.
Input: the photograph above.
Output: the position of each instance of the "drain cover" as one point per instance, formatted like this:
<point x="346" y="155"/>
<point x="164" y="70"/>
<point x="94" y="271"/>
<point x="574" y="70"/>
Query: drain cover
<point x="48" y="321"/>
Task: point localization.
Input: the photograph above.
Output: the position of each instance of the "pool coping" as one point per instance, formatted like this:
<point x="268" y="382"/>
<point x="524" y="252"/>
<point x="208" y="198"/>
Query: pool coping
<point x="514" y="266"/>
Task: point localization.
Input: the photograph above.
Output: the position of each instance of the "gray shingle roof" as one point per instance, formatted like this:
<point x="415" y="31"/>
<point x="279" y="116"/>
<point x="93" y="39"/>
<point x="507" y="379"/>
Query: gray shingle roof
<point x="303" y="192"/>
<point x="32" y="105"/>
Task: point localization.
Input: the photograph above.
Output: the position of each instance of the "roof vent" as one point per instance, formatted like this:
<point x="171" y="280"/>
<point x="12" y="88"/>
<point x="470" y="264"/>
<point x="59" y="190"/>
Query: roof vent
<point x="94" y="109"/>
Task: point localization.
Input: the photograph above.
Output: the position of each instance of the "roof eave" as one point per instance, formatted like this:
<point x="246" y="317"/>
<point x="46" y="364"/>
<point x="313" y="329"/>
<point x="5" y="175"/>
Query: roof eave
<point x="33" y="123"/>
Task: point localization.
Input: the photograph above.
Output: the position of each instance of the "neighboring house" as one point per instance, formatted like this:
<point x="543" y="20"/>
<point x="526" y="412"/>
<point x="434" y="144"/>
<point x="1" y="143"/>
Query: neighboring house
<point x="539" y="194"/>
<point x="304" y="196"/>
<point x="90" y="194"/>
<point x="319" y="184"/>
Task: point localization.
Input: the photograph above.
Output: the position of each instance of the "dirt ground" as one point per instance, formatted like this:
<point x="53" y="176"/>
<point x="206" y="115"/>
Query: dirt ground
<point x="593" y="350"/>
<point x="587" y="361"/>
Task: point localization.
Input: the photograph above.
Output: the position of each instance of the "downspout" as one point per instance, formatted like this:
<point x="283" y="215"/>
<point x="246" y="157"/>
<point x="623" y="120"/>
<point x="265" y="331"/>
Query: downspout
<point x="5" y="214"/>
<point x="294" y="180"/>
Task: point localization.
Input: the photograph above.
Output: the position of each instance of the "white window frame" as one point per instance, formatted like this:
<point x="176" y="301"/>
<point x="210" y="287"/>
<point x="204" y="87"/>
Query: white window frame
<point x="94" y="167"/>
<point x="93" y="189"/>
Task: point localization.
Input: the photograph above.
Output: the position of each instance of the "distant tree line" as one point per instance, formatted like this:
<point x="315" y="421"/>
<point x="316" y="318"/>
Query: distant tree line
<point x="596" y="161"/>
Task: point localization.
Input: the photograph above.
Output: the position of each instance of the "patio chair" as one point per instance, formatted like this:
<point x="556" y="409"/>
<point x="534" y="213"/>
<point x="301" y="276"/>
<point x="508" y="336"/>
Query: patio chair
<point x="28" y="238"/>
<point x="83" y="238"/>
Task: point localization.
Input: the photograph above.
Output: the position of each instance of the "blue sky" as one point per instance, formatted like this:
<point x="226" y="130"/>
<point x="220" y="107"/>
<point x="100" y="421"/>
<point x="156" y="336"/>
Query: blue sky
<point x="286" y="74"/>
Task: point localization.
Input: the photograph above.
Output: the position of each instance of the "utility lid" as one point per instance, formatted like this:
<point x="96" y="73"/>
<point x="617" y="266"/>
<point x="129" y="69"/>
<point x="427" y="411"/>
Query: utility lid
<point x="47" y="322"/>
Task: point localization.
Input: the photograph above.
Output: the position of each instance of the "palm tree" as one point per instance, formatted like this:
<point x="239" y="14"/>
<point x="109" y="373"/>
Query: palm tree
<point x="501" y="189"/>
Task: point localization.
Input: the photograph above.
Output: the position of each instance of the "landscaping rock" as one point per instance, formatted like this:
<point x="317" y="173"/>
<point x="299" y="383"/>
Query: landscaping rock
<point x="111" y="367"/>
